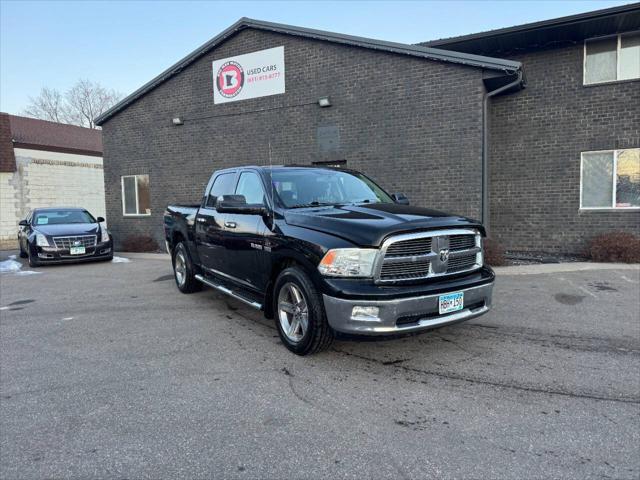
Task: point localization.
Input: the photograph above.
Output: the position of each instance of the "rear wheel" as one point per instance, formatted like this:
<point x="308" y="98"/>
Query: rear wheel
<point x="300" y="316"/>
<point x="183" y="270"/>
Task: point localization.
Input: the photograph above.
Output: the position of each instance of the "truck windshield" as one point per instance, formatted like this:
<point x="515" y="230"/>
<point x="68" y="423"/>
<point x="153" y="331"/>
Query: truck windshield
<point x="318" y="186"/>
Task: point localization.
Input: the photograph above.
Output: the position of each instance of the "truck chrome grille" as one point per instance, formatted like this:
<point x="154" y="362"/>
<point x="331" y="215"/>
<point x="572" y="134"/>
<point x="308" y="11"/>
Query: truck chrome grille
<point x="77" y="241"/>
<point x="423" y="255"/>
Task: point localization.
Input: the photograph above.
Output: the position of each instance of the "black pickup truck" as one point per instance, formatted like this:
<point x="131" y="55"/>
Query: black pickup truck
<point x="326" y="250"/>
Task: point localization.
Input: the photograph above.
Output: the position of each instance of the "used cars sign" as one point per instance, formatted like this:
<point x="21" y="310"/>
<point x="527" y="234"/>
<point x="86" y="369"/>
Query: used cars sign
<point x="257" y="74"/>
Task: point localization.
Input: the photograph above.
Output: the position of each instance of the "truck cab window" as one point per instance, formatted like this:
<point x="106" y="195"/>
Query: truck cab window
<point x="222" y="185"/>
<point x="251" y="187"/>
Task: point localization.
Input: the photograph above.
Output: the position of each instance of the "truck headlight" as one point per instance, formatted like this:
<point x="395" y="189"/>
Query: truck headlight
<point x="41" y="240"/>
<point x="348" y="262"/>
<point x="105" y="235"/>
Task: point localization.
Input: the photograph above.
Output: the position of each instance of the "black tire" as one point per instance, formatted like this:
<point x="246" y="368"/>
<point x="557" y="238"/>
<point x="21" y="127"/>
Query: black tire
<point x="33" y="261"/>
<point x="318" y="335"/>
<point x="186" y="282"/>
<point x="23" y="254"/>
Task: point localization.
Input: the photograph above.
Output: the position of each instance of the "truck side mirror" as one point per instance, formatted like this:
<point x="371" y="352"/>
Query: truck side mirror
<point x="400" y="198"/>
<point x="100" y="219"/>
<point x="23" y="223"/>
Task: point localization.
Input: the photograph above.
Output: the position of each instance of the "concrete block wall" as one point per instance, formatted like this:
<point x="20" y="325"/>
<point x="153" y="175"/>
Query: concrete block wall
<point x="45" y="179"/>
<point x="413" y="125"/>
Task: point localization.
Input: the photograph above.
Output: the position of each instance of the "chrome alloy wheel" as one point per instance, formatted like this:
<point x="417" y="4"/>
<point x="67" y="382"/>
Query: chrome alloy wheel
<point x="293" y="312"/>
<point x="180" y="268"/>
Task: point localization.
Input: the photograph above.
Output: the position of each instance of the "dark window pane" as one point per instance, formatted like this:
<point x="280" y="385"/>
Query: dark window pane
<point x="129" y="195"/>
<point x="597" y="179"/>
<point x="600" y="64"/>
<point x="250" y="186"/>
<point x="222" y="185"/>
<point x="144" y="195"/>
<point x="628" y="178"/>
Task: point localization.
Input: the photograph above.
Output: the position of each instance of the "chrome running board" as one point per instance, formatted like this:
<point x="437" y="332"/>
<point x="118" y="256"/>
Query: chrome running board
<point x="231" y="293"/>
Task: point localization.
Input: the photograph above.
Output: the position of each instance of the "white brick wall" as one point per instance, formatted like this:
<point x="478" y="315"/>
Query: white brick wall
<point x="46" y="179"/>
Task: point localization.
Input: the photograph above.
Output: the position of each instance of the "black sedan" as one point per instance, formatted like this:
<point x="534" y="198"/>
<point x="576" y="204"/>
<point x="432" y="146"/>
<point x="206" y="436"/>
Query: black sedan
<point x="58" y="235"/>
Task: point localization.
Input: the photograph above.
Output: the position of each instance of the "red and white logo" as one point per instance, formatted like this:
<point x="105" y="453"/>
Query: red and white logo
<point x="230" y="79"/>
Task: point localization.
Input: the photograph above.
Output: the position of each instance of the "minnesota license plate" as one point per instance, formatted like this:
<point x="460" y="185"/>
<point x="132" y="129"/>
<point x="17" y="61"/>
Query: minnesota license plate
<point x="77" y="251"/>
<point x="451" y="302"/>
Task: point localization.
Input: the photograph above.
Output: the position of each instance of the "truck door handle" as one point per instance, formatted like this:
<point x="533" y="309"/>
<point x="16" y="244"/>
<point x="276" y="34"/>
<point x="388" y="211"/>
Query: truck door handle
<point x="230" y="224"/>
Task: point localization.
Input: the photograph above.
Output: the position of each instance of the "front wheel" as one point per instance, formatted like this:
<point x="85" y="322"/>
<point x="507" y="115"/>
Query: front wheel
<point x="183" y="270"/>
<point x="23" y="254"/>
<point x="300" y="316"/>
<point x="33" y="260"/>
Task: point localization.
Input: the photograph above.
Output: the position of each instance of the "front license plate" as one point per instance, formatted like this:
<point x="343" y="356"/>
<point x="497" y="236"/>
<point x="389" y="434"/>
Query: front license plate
<point x="451" y="302"/>
<point x="77" y="251"/>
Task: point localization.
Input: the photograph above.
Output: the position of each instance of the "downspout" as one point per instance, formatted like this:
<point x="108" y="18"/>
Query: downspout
<point x="485" y="147"/>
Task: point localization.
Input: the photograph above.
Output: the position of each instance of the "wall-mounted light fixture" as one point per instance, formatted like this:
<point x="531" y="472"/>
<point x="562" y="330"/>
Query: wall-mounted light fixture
<point x="324" y="102"/>
<point x="177" y="121"/>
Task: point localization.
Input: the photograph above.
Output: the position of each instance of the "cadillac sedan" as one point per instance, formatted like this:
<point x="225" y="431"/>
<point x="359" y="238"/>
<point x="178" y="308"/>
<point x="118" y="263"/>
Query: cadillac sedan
<point x="58" y="235"/>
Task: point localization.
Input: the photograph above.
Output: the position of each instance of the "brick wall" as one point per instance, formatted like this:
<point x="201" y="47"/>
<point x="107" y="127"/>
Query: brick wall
<point x="7" y="159"/>
<point x="536" y="139"/>
<point x="413" y="125"/>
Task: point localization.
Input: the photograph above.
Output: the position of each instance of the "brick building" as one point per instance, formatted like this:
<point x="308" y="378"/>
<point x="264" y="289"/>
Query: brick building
<point x="491" y="129"/>
<point x="44" y="164"/>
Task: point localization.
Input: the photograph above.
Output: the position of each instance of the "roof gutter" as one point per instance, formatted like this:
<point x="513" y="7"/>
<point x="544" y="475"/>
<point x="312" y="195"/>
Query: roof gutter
<point x="485" y="145"/>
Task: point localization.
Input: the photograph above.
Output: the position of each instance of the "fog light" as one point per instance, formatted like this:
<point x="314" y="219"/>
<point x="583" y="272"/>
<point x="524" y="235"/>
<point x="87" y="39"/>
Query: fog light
<point x="365" y="314"/>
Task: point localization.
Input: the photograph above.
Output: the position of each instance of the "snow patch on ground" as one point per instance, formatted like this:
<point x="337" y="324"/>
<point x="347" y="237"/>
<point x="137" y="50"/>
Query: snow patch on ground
<point x="120" y="260"/>
<point x="14" y="267"/>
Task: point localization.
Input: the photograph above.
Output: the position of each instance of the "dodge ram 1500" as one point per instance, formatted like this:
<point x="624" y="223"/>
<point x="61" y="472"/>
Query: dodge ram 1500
<point x="326" y="250"/>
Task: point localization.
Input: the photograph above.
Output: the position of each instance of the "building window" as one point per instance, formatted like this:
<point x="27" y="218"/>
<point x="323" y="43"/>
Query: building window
<point x="136" y="198"/>
<point x="610" y="59"/>
<point x="610" y="179"/>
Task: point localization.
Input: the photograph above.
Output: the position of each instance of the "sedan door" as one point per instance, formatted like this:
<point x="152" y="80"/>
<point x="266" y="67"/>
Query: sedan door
<point x="209" y="226"/>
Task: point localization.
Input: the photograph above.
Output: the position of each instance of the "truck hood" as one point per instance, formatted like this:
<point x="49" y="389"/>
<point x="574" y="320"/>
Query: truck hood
<point x="68" y="229"/>
<point x="369" y="225"/>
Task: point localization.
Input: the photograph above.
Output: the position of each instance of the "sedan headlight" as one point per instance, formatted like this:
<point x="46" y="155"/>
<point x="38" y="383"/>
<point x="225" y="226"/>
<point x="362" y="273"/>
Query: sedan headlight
<point x="105" y="235"/>
<point x="41" y="240"/>
<point x="348" y="262"/>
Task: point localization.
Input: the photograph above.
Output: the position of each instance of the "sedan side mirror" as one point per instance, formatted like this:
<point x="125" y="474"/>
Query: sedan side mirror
<point x="100" y="219"/>
<point x="238" y="204"/>
<point x="23" y="223"/>
<point x="400" y="198"/>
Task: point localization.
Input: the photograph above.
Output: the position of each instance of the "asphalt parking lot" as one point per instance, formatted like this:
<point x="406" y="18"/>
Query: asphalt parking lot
<point x="108" y="371"/>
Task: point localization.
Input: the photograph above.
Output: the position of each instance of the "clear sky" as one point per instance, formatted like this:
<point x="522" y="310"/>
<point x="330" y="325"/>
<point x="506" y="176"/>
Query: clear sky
<point x="123" y="44"/>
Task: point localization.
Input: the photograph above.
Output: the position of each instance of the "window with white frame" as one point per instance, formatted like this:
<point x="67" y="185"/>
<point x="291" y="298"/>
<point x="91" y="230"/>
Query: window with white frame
<point x="136" y="198"/>
<point x="609" y="59"/>
<point x="610" y="179"/>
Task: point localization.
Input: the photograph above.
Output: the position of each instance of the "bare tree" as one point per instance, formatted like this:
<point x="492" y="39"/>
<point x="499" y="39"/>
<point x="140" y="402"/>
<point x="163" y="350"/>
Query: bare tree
<point x="80" y="105"/>
<point x="48" y="105"/>
<point x="87" y="100"/>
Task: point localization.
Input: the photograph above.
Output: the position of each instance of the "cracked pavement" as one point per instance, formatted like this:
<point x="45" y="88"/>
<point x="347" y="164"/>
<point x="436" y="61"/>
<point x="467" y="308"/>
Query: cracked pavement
<point x="106" y="370"/>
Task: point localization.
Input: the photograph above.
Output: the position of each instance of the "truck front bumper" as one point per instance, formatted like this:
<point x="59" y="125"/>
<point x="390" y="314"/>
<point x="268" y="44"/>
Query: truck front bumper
<point x="404" y="315"/>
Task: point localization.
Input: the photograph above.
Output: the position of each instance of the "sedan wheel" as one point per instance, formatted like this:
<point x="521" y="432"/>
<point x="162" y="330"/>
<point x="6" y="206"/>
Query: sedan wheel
<point x="293" y="312"/>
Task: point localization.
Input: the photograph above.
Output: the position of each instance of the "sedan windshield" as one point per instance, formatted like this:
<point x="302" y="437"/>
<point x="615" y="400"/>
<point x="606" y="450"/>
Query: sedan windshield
<point x="61" y="217"/>
<point x="308" y="187"/>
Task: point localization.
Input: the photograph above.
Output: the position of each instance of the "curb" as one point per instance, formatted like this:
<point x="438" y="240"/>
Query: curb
<point x="563" y="267"/>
